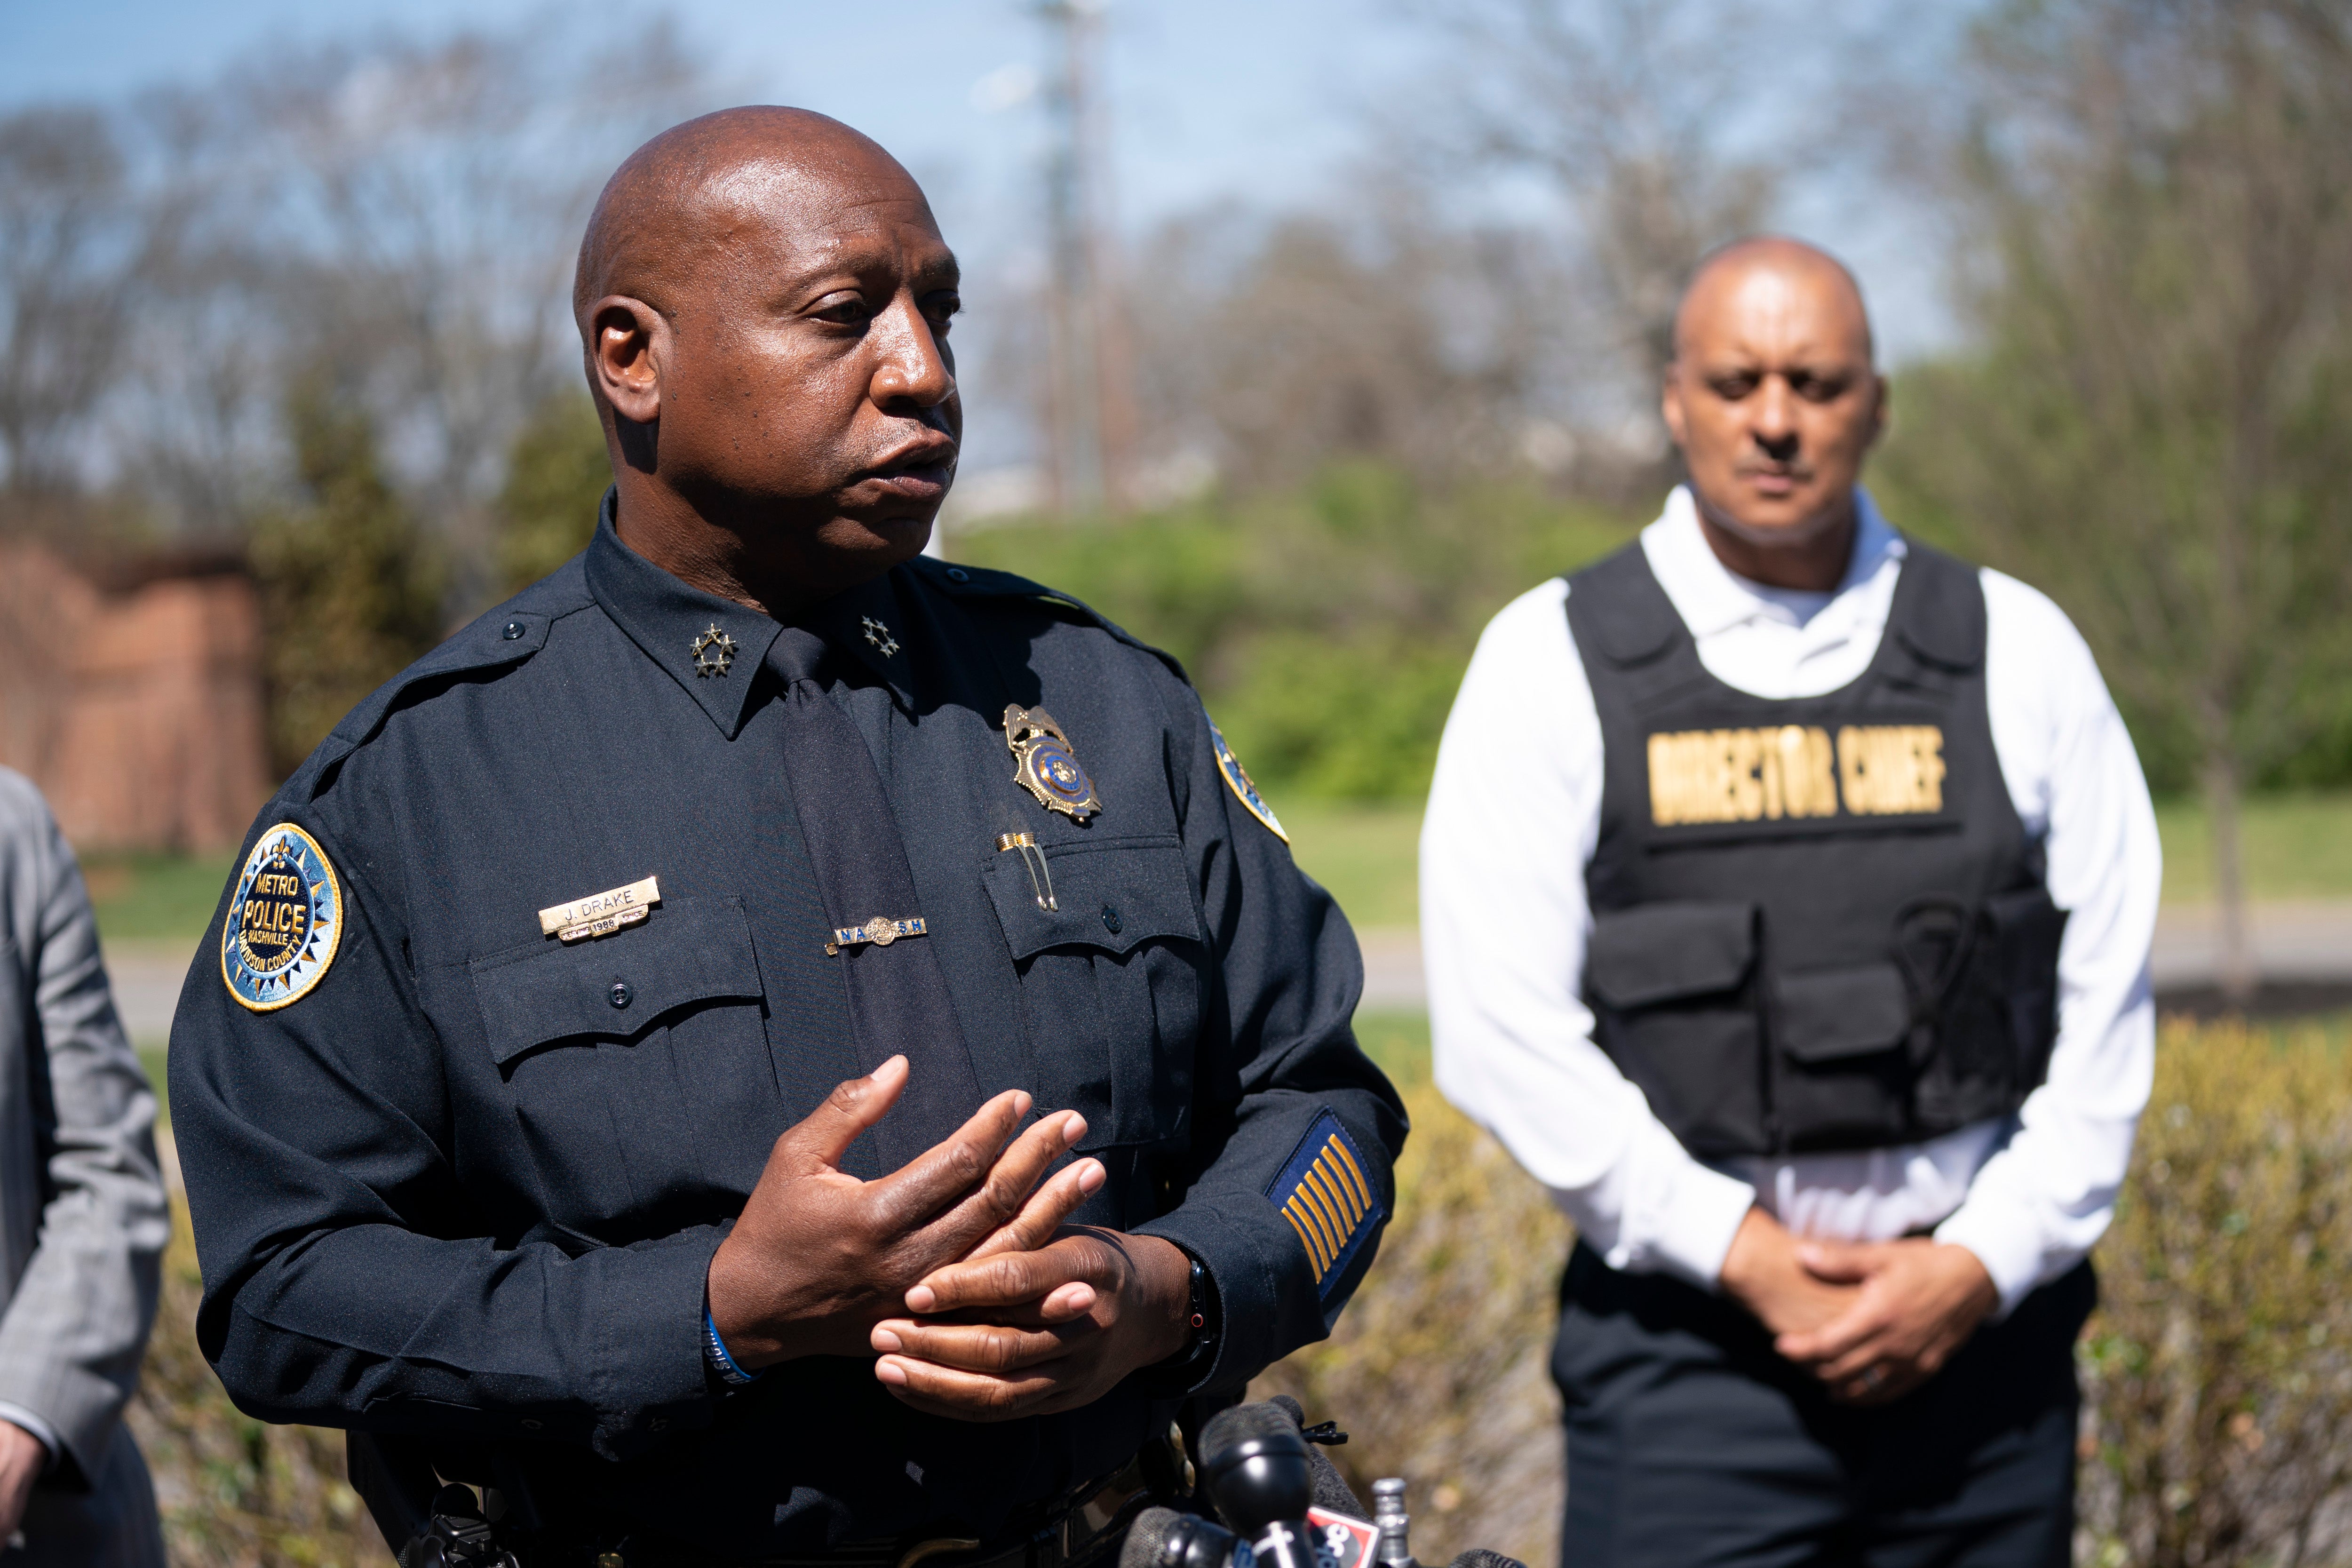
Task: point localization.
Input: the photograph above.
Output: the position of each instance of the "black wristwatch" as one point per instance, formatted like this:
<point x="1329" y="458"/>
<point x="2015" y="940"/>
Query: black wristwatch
<point x="1204" y="1329"/>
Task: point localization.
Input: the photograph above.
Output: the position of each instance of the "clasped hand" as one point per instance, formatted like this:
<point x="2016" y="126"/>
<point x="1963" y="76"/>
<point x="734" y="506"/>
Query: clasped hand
<point x="1872" y="1320"/>
<point x="958" y="1269"/>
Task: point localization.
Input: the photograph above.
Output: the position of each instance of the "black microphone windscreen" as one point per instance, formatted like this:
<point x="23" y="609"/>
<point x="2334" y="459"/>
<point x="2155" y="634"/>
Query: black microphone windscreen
<point x="1241" y="1423"/>
<point x="1479" y="1557"/>
<point x="1148" y="1538"/>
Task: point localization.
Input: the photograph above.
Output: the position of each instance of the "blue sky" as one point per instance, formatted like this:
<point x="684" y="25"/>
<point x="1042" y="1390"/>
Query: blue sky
<point x="1260" y="100"/>
<point x="1213" y="96"/>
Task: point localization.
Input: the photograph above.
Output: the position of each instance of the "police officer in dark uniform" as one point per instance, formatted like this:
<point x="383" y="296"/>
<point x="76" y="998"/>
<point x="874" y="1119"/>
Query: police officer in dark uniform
<point x="768" y="1047"/>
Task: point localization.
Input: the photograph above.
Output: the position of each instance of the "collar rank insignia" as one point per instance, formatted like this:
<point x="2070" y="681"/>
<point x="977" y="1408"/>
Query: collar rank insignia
<point x="880" y="636"/>
<point x="1237" y="780"/>
<point x="1325" y="1196"/>
<point x="714" y="651"/>
<point x="1044" y="765"/>
<point x="283" y="923"/>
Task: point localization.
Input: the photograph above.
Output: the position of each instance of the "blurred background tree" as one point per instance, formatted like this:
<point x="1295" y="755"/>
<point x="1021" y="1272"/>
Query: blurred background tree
<point x="351" y="586"/>
<point x="556" y="477"/>
<point x="2150" y="420"/>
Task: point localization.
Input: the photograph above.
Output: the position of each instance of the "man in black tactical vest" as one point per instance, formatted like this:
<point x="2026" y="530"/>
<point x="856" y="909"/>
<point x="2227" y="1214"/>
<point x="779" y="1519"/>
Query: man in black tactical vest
<point x="1809" y="971"/>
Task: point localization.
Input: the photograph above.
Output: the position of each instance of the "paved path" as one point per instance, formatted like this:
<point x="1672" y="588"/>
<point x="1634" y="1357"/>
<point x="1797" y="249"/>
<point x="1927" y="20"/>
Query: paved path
<point x="2295" y="943"/>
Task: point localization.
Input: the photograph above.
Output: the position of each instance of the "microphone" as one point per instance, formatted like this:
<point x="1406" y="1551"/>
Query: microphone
<point x="1255" y="1462"/>
<point x="1479" y="1557"/>
<point x="1163" y="1538"/>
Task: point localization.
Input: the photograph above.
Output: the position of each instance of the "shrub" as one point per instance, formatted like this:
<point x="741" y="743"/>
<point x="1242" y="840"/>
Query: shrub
<point x="235" y="1492"/>
<point x="2217" y="1371"/>
<point x="2219" y="1364"/>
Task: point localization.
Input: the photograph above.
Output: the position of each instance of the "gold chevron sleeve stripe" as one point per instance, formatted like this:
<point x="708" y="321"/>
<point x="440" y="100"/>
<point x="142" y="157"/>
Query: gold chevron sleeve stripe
<point x="1327" y="1169"/>
<point x="1315" y="1248"/>
<point x="1332" y="1225"/>
<point x="1313" y="1209"/>
<point x="1343" y="1215"/>
<point x="1363" y="1187"/>
<point x="1313" y="1257"/>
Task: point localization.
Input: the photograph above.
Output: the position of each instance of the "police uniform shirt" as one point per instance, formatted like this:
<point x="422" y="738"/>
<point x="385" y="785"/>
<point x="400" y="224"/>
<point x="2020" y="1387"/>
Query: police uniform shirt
<point x="464" y="1177"/>
<point x="1514" y="817"/>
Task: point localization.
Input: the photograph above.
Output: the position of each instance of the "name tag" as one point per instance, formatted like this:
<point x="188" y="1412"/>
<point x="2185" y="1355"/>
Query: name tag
<point x="601" y="914"/>
<point x="1796" y="771"/>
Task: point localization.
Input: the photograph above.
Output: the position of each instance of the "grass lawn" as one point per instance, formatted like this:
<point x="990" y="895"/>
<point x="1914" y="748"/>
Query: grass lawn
<point x="1398" y="1042"/>
<point x="1363" y="854"/>
<point x="154" y="897"/>
<point x="2296" y="846"/>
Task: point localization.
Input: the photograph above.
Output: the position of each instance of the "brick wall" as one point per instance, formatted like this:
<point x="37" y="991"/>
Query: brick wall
<point x="137" y="710"/>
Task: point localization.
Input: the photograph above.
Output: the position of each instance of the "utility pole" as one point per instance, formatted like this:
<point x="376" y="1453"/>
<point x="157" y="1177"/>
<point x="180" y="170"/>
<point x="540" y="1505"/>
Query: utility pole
<point x="1090" y="404"/>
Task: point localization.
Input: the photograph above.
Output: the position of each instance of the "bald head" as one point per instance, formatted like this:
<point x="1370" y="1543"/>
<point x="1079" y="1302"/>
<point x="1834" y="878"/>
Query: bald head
<point x="1765" y="272"/>
<point x="764" y="301"/>
<point x="674" y="204"/>
<point x="1773" y="400"/>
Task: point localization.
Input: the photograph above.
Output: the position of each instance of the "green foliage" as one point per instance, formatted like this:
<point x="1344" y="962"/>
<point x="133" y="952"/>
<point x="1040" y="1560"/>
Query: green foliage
<point x="557" y="472"/>
<point x="350" y="588"/>
<point x="1327" y="626"/>
<point x="2217" y="1370"/>
<point x="2219" y="1364"/>
<point x="1438" y="1370"/>
<point x="2148" y="419"/>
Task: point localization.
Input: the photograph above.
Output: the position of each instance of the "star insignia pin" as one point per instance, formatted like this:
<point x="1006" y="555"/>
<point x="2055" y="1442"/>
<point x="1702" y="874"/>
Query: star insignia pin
<point x="879" y="636"/>
<point x="714" y="652"/>
<point x="1044" y="765"/>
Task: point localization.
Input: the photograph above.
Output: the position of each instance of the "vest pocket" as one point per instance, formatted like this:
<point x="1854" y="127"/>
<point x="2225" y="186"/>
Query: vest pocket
<point x="1845" y="1078"/>
<point x="1672" y="988"/>
<point x="1111" y="983"/>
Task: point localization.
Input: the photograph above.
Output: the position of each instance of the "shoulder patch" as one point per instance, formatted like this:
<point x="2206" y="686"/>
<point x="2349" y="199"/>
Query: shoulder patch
<point x="284" y="923"/>
<point x="1237" y="779"/>
<point x="1325" y="1195"/>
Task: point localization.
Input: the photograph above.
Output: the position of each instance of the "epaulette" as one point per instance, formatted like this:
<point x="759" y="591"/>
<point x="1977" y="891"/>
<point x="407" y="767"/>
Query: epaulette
<point x="508" y="635"/>
<point x="982" y="583"/>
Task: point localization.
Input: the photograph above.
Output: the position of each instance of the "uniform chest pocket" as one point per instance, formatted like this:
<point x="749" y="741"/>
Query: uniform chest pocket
<point x="1111" y="982"/>
<point x="637" y="1063"/>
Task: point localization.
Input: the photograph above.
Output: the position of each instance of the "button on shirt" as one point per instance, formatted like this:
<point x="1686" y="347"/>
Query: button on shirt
<point x="1514" y="816"/>
<point x="468" y="1186"/>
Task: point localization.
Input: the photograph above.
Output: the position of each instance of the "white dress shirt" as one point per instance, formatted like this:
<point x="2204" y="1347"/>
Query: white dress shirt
<point x="1513" y="815"/>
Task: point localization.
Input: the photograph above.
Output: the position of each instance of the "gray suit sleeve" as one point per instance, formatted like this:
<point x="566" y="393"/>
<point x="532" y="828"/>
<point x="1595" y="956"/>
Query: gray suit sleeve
<point x="72" y="1335"/>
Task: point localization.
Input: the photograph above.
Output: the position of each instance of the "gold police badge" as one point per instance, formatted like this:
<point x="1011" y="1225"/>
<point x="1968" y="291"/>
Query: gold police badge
<point x="284" y="922"/>
<point x="1044" y="765"/>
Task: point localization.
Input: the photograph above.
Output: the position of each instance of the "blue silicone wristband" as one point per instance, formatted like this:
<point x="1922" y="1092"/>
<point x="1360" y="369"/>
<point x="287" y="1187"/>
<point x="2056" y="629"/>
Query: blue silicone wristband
<point x="714" y="1351"/>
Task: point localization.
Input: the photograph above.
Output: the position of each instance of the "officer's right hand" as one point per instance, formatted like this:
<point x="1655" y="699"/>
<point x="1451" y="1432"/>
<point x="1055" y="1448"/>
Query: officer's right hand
<point x="1764" y="1273"/>
<point x="818" y="1256"/>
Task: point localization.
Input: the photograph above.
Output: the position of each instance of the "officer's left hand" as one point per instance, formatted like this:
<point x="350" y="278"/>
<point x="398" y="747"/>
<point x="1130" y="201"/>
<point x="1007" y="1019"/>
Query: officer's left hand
<point x="1920" y="1301"/>
<point x="1027" y="1334"/>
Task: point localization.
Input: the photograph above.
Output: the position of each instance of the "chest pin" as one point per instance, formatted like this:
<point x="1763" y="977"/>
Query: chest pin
<point x="1044" y="765"/>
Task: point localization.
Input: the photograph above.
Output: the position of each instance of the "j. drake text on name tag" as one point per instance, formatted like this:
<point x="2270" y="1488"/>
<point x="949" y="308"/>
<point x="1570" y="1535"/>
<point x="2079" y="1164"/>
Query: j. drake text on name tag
<point x="601" y="914"/>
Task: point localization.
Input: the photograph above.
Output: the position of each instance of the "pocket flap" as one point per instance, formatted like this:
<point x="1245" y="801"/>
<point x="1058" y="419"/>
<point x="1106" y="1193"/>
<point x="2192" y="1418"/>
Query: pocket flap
<point x="1827" y="1014"/>
<point x="1660" y="953"/>
<point x="688" y="951"/>
<point x="1112" y="895"/>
